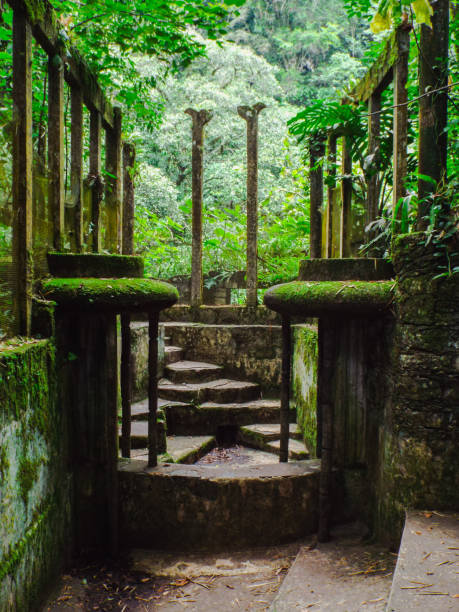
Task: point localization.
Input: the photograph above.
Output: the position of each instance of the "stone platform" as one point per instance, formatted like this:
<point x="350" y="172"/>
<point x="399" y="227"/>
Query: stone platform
<point x="191" y="507"/>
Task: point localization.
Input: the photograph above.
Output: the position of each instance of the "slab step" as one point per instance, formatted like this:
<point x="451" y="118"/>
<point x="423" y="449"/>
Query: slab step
<point x="296" y="449"/>
<point x="192" y="372"/>
<point x="220" y="390"/>
<point x="181" y="449"/>
<point x="334" y="577"/>
<point x="139" y="435"/>
<point x="426" y="573"/>
<point x="185" y="419"/>
<point x="265" y="432"/>
<point x="172" y="354"/>
<point x="139" y="410"/>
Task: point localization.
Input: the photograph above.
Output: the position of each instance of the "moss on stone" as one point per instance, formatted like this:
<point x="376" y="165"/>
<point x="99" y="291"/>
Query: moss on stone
<point x="382" y="65"/>
<point x="27" y="476"/>
<point x="111" y="294"/>
<point x="304" y="383"/>
<point x="95" y="265"/>
<point x="303" y="298"/>
<point x="4" y="463"/>
<point x="362" y="269"/>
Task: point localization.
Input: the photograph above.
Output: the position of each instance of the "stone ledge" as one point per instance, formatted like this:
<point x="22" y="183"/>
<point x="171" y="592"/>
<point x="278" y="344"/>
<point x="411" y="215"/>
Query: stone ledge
<point x="109" y="294"/>
<point x="312" y="299"/>
<point x="95" y="265"/>
<point x="345" y="269"/>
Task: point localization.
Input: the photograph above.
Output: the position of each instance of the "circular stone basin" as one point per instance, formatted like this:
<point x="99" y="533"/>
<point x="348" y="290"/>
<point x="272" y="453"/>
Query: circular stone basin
<point x="110" y="294"/>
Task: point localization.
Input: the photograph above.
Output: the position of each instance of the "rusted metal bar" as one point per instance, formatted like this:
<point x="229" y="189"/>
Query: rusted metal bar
<point x="153" y="329"/>
<point x="199" y="118"/>
<point x="400" y="117"/>
<point x="95" y="129"/>
<point x="331" y="148"/>
<point x="433" y="109"/>
<point x="346" y="201"/>
<point x="44" y="20"/>
<point x="126" y="385"/>
<point x="56" y="152"/>
<point x="74" y="212"/>
<point x="285" y="389"/>
<point x="113" y="236"/>
<point x="325" y="409"/>
<point x="128" y="198"/>
<point x="250" y="115"/>
<point x="316" y="152"/>
<point x="372" y="171"/>
<point x="22" y="172"/>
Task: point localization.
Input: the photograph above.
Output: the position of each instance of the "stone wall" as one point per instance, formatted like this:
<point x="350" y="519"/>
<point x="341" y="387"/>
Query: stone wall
<point x="247" y="352"/>
<point x="304" y="382"/>
<point x="419" y="460"/>
<point x="34" y="486"/>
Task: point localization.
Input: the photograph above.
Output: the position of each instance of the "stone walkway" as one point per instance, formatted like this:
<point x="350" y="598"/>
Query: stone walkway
<point x="343" y="575"/>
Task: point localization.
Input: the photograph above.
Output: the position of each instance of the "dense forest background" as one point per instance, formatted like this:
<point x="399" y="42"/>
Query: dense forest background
<point x="298" y="57"/>
<point x="285" y="54"/>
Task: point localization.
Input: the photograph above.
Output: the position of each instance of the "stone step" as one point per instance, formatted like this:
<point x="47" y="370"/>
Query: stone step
<point x="180" y="449"/>
<point x="192" y="372"/>
<point x="139" y="410"/>
<point x="267" y="437"/>
<point x="172" y="354"/>
<point x="338" y="576"/>
<point x="296" y="449"/>
<point x="426" y="575"/>
<point x="221" y="390"/>
<point x="139" y="435"/>
<point x="205" y="419"/>
<point x="265" y="432"/>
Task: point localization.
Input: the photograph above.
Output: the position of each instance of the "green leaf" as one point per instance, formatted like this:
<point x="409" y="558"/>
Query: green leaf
<point x="423" y="11"/>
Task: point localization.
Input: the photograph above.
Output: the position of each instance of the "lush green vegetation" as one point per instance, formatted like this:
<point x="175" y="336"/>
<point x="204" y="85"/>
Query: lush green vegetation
<point x="297" y="56"/>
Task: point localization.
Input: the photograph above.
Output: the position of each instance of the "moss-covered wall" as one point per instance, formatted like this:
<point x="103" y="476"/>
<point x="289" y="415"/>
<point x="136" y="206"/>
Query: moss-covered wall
<point x="34" y="487"/>
<point x="419" y="460"/>
<point x="304" y="382"/>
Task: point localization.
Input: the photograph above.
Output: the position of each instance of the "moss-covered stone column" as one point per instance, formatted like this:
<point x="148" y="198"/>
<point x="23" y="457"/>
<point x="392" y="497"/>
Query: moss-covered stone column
<point x="420" y="450"/>
<point x="88" y="372"/>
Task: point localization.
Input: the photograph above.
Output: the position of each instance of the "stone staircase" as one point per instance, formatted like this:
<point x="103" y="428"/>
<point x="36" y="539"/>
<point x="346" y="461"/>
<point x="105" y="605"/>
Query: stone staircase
<point x="236" y="496"/>
<point x="197" y="400"/>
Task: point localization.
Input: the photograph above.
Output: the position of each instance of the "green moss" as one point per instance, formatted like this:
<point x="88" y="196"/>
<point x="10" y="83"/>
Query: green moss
<point x="304" y="382"/>
<point x="115" y="294"/>
<point x="317" y="298"/>
<point x="95" y="265"/>
<point x="373" y="77"/>
<point x="27" y="476"/>
<point x="4" y="463"/>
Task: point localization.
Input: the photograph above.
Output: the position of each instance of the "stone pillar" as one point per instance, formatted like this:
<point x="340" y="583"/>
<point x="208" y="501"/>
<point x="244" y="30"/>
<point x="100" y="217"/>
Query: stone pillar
<point x="87" y="357"/>
<point x="200" y="118"/>
<point x="250" y="115"/>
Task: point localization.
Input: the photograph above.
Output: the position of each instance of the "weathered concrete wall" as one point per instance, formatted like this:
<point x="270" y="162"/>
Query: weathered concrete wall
<point x="34" y="485"/>
<point x="304" y="382"/>
<point x="221" y="315"/>
<point x="419" y="460"/>
<point x="247" y="352"/>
